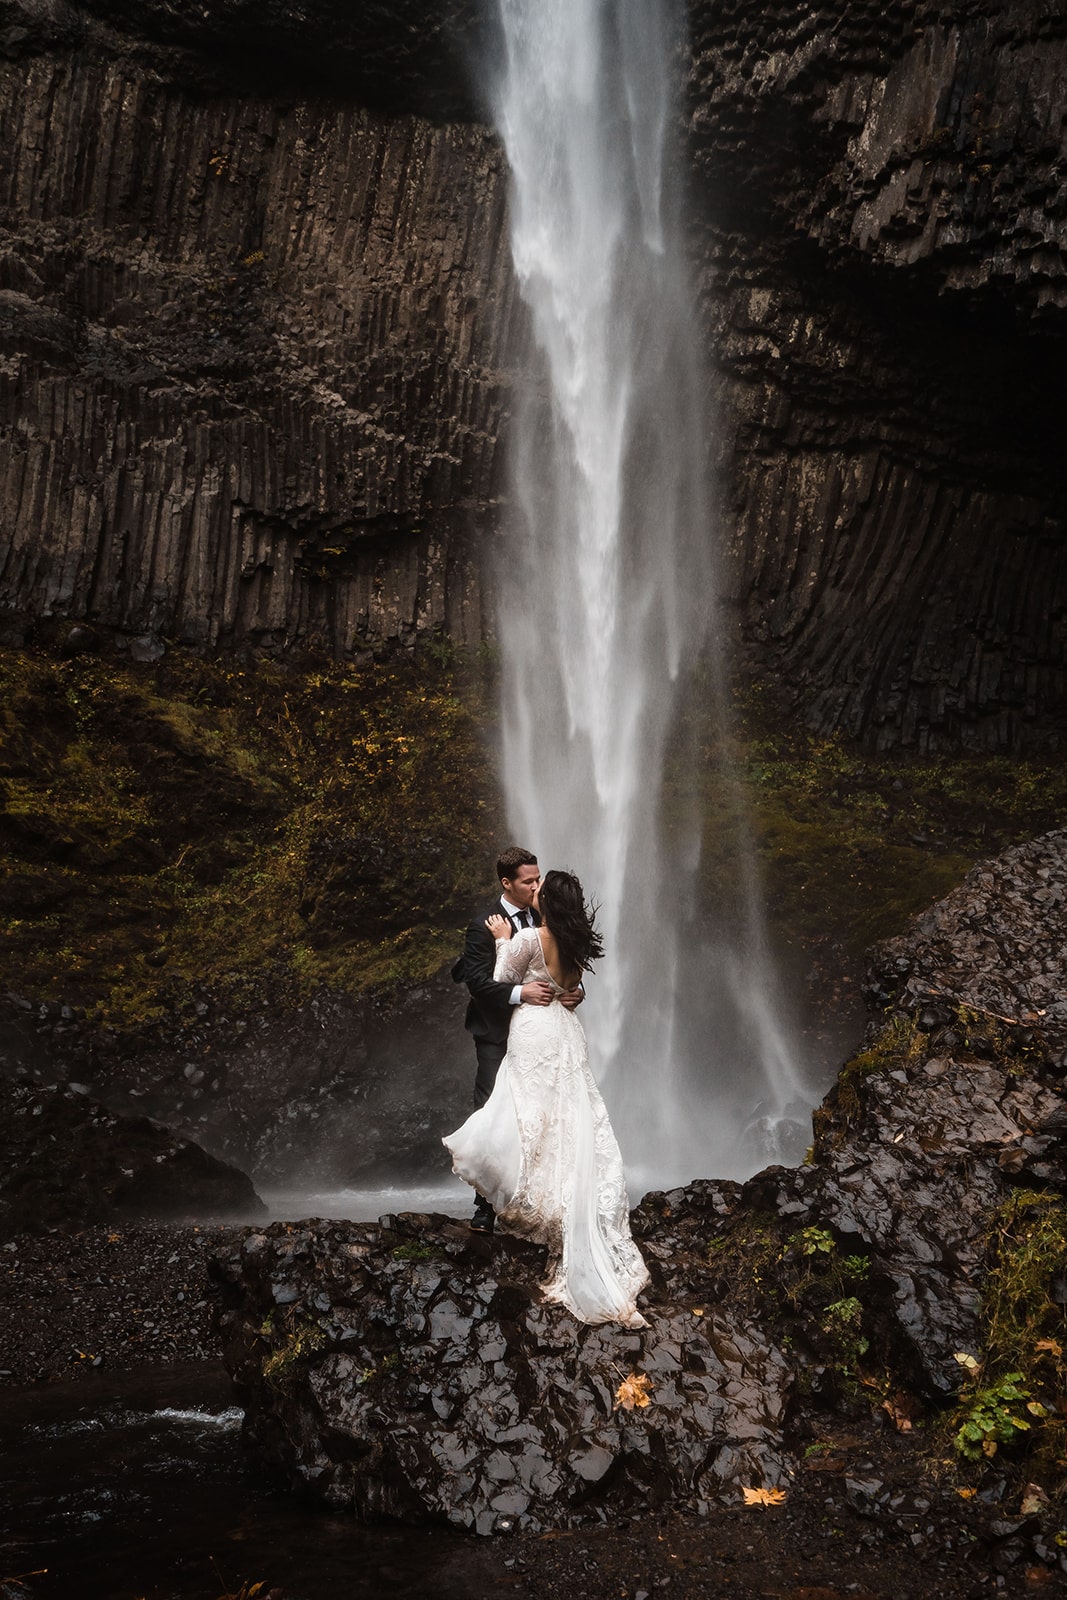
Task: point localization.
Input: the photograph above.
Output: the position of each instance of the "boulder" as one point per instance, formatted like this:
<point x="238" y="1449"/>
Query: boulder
<point x="407" y="1369"/>
<point x="67" y="1161"/>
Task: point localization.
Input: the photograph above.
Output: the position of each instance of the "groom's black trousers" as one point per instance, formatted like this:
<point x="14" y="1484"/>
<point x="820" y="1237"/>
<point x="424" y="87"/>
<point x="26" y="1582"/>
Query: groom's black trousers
<point x="490" y="1054"/>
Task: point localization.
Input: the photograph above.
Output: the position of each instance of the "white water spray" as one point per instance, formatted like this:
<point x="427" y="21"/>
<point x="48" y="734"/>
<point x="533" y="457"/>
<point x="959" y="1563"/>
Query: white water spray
<point x="607" y="585"/>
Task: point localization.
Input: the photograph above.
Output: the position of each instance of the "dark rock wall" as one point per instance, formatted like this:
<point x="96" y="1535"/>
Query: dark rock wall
<point x="258" y="332"/>
<point x="883" y="192"/>
<point x="247" y="386"/>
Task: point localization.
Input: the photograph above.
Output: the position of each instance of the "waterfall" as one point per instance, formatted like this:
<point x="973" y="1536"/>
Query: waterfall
<point x="606" y="585"/>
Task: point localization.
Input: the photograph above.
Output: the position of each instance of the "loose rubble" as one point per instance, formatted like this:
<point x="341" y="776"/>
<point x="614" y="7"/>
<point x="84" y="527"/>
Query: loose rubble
<point x="101" y="1300"/>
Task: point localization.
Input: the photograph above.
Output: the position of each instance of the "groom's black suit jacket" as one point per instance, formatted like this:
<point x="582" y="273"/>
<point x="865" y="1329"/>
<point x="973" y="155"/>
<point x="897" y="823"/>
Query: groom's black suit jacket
<point x="489" y="1012"/>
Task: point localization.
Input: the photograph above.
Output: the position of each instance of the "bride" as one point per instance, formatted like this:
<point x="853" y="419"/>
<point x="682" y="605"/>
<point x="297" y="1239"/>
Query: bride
<point x="541" y="1149"/>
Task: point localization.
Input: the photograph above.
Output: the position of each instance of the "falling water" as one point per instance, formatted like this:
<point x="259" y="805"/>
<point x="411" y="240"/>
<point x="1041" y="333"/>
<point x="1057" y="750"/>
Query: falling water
<point x="607" y="586"/>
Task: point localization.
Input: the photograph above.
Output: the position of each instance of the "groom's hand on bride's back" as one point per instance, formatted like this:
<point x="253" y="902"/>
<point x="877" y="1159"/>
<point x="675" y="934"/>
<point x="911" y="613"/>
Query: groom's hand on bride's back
<point x="571" y="998"/>
<point x="536" y="993"/>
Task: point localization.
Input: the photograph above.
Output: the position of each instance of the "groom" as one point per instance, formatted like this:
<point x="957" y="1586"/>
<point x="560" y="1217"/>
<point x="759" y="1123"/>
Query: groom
<point x="492" y="1004"/>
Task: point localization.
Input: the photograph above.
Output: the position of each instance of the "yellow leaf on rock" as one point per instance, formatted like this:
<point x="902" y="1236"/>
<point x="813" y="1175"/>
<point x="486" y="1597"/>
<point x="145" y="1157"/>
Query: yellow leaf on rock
<point x="763" y="1497"/>
<point x="633" y="1391"/>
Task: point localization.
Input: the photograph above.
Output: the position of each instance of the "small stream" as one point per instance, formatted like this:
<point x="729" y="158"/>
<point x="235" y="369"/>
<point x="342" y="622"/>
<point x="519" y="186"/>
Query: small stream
<point x="136" y="1486"/>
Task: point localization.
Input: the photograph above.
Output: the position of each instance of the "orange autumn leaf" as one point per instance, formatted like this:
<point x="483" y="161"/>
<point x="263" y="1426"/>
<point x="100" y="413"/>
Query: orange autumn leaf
<point x="763" y="1497"/>
<point x="633" y="1391"/>
<point x="898" y="1415"/>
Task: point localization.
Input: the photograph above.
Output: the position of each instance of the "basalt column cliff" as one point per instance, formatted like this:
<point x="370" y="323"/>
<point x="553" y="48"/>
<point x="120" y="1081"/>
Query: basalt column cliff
<point x="258" y="337"/>
<point x="249" y="326"/>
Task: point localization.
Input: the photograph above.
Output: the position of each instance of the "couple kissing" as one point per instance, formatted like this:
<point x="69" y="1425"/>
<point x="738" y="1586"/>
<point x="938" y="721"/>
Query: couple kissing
<point x="539" y="1149"/>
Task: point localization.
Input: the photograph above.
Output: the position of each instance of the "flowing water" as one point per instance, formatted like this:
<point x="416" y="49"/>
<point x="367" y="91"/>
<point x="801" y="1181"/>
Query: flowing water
<point x="136" y="1487"/>
<point x="607" y="619"/>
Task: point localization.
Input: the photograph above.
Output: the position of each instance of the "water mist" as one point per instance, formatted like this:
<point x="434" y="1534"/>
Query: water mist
<point x="606" y="579"/>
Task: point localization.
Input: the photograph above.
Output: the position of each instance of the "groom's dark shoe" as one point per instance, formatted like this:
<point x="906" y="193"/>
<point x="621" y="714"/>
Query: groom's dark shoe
<point x="484" y="1218"/>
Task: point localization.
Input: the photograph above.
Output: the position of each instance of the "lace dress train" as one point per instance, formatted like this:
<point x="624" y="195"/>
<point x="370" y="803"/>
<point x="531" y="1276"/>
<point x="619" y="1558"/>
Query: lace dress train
<point x="542" y="1152"/>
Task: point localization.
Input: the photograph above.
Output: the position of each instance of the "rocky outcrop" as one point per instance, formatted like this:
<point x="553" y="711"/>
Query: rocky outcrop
<point x="958" y="1096"/>
<point x="259" y="335"/>
<point x="914" y="1154"/>
<point x="992" y="946"/>
<point x="408" y="1369"/>
<point x="68" y="1161"/>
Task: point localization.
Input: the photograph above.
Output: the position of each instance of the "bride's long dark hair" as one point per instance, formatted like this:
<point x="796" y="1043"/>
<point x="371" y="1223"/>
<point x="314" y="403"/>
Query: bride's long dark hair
<point x="573" y="923"/>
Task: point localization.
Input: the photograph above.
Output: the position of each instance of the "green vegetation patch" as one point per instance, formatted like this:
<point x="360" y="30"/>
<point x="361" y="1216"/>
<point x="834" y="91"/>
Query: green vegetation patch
<point x="899" y="1043"/>
<point x="852" y="844"/>
<point x="207" y="823"/>
<point x="801" y="1282"/>
<point x="297" y="1344"/>
<point x="1015" y="1392"/>
<point x="221" y="826"/>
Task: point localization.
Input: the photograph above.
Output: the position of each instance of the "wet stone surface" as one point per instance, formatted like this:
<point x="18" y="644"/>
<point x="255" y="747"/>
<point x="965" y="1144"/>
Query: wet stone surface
<point x="440" y="1389"/>
<point x="996" y="944"/>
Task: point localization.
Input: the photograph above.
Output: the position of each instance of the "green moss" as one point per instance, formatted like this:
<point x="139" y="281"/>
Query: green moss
<point x="852" y="844"/>
<point x="898" y="1043"/>
<point x="414" y="1252"/>
<point x="298" y="1344"/>
<point x="209" y="824"/>
<point x="1030" y="1242"/>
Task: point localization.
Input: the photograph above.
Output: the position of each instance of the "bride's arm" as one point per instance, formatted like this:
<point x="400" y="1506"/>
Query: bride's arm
<point x="513" y="958"/>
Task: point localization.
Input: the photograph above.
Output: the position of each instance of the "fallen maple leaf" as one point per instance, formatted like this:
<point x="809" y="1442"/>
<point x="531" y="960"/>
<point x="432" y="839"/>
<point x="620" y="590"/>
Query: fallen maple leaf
<point x="966" y="1494"/>
<point x="763" y="1497"/>
<point x="896" y="1410"/>
<point x="633" y="1391"/>
<point x="1051" y="1346"/>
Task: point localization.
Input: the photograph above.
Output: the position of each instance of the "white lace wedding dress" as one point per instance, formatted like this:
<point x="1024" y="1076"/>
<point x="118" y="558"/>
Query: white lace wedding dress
<point x="542" y="1152"/>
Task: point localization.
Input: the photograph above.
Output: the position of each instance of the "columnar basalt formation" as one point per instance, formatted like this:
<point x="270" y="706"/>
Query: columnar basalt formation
<point x="885" y="202"/>
<point x="258" y="335"/>
<point x="248" y="387"/>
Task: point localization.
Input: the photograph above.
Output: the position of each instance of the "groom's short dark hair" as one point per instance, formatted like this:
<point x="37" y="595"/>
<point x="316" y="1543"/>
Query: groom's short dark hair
<point x="512" y="859"/>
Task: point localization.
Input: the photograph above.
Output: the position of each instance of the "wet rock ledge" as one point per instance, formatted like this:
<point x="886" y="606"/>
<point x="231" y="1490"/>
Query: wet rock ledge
<point x="406" y="1369"/>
